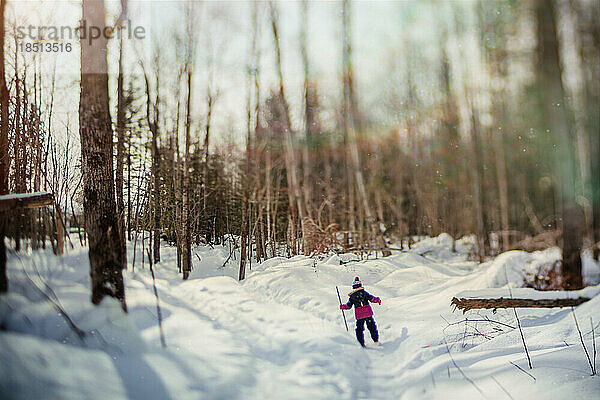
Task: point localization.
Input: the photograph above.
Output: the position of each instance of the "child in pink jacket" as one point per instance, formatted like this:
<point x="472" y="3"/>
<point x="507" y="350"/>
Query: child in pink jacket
<point x="359" y="298"/>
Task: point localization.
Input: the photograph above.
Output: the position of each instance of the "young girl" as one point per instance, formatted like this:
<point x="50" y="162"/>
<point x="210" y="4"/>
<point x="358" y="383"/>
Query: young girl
<point x="359" y="298"/>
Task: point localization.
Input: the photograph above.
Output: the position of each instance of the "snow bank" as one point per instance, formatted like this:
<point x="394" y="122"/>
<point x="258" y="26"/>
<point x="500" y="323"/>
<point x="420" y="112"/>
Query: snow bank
<point x="280" y="333"/>
<point x="440" y="247"/>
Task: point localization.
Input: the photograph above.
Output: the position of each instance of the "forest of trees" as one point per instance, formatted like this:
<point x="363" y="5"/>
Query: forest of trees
<point x="503" y="144"/>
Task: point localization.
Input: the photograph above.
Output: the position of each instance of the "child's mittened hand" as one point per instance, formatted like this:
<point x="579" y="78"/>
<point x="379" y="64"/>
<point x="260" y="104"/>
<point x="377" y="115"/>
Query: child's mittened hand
<point x="377" y="300"/>
<point x="344" y="307"/>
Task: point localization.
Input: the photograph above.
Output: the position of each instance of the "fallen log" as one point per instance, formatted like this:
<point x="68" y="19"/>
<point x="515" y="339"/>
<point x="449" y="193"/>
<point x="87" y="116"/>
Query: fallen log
<point x="466" y="304"/>
<point x="541" y="241"/>
<point x="25" y="200"/>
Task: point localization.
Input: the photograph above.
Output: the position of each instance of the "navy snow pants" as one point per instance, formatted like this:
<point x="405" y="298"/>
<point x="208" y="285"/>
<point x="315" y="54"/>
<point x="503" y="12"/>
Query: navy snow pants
<point x="360" y="323"/>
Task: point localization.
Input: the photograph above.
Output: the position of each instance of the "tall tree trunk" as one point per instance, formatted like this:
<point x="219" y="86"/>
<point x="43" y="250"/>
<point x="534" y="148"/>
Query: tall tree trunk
<point x="588" y="33"/>
<point x="176" y="176"/>
<point x="268" y="167"/>
<point x="4" y="157"/>
<point x="101" y="219"/>
<point x="211" y="97"/>
<point x="350" y="238"/>
<point x="329" y="192"/>
<point x="186" y="254"/>
<point x="450" y="159"/>
<point x="129" y="191"/>
<point x="497" y="64"/>
<point x="120" y="150"/>
<point x="596" y="195"/>
<point x="277" y="192"/>
<point x="478" y="185"/>
<point x="295" y="196"/>
<point x="156" y="206"/>
<point x="245" y="239"/>
<point x="152" y="119"/>
<point x="245" y="202"/>
<point x="502" y="188"/>
<point x="353" y="124"/>
<point x="557" y="123"/>
<point x="308" y="117"/>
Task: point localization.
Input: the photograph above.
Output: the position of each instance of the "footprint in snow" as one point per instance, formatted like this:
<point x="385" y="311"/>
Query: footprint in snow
<point x="303" y="301"/>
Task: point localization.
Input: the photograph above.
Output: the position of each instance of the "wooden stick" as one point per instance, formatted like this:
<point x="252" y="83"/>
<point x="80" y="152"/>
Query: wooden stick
<point x="583" y="343"/>
<point x="594" y="344"/>
<point x="518" y="322"/>
<point x="523" y="338"/>
<point x="521" y="369"/>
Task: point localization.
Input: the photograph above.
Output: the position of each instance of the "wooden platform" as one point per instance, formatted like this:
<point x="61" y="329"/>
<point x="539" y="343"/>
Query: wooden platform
<point x="25" y="200"/>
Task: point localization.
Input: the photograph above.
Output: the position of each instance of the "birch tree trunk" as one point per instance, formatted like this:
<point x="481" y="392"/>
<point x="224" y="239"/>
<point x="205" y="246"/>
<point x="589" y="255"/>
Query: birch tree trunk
<point x="120" y="150"/>
<point x="156" y="204"/>
<point x="211" y="98"/>
<point x="245" y="241"/>
<point x="152" y="118"/>
<point x="176" y="176"/>
<point x="308" y="120"/>
<point x="450" y="160"/>
<point x="186" y="254"/>
<point x="502" y="188"/>
<point x="345" y="118"/>
<point x="101" y="220"/>
<point x="353" y="124"/>
<point x="477" y="185"/>
<point x="295" y="196"/>
<point x="497" y="65"/>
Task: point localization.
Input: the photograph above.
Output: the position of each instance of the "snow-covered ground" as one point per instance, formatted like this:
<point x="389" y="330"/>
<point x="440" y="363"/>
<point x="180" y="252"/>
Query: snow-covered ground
<point x="280" y="334"/>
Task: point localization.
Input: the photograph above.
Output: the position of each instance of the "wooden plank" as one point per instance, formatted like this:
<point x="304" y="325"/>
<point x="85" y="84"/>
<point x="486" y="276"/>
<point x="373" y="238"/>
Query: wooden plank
<point x="380" y="249"/>
<point x="11" y="202"/>
<point x="469" y="304"/>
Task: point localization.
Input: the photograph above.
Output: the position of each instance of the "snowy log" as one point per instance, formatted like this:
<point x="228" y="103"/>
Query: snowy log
<point x="465" y="304"/>
<point x="25" y="200"/>
<point x="381" y="249"/>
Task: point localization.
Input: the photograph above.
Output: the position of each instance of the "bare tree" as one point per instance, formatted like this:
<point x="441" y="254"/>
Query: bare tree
<point x="493" y="22"/>
<point x="353" y="124"/>
<point x="186" y="256"/>
<point x="101" y="219"/>
<point x="152" y="118"/>
<point x="557" y="123"/>
<point x="245" y="228"/>
<point x="450" y="160"/>
<point x="308" y="113"/>
<point x="4" y="157"/>
<point x="478" y="196"/>
<point x="121" y="141"/>
<point x="295" y="196"/>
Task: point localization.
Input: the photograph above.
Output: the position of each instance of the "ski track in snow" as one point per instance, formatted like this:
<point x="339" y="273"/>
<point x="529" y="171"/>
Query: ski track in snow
<point x="279" y="334"/>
